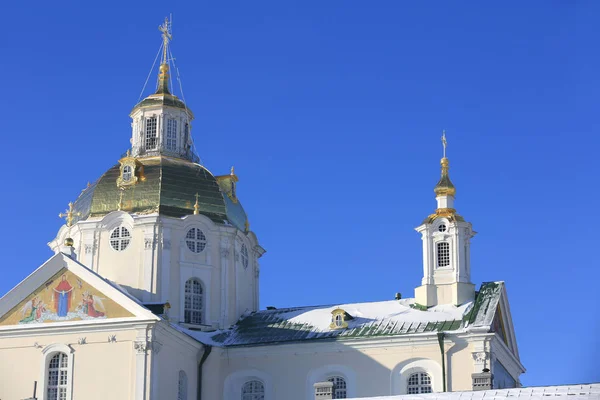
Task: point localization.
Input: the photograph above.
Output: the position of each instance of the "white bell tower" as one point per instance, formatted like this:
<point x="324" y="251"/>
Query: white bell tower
<point x="446" y="249"/>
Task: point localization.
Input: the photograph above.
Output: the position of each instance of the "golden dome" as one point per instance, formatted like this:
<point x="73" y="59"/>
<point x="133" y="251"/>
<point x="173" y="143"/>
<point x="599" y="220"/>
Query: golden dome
<point x="444" y="186"/>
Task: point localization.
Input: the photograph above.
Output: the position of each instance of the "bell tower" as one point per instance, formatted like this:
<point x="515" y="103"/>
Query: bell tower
<point x="446" y="248"/>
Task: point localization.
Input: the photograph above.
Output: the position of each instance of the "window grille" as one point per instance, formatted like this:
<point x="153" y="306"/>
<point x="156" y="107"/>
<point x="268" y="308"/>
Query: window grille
<point x="419" y="382"/>
<point x="127" y="173"/>
<point x="193" y="301"/>
<point x="151" y="139"/>
<point x="172" y="135"/>
<point x="443" y="254"/>
<point x="58" y="377"/>
<point x="120" y="238"/>
<point x="195" y="240"/>
<point x="182" y="386"/>
<point x="253" y="390"/>
<point x="442" y="228"/>
<point x="245" y="257"/>
<point x="339" y="387"/>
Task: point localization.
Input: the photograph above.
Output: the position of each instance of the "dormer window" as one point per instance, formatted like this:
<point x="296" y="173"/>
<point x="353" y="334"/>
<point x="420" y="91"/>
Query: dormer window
<point x="339" y="319"/>
<point x="151" y="130"/>
<point x="171" y="142"/>
<point x="127" y="173"/>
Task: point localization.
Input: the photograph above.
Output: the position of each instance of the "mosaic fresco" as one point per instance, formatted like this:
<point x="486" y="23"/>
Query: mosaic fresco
<point x="64" y="297"/>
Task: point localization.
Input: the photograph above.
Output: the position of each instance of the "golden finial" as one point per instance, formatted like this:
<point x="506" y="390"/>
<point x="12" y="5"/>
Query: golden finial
<point x="120" y="205"/>
<point x="165" y="28"/>
<point x="196" y="206"/>
<point x="247" y="225"/>
<point x="232" y="171"/>
<point x="445" y="187"/>
<point x="69" y="242"/>
<point x="444" y="143"/>
<point x="69" y="214"/>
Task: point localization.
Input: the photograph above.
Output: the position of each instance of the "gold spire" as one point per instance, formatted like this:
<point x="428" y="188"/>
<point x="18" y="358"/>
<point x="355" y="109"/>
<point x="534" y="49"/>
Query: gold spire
<point x="163" y="76"/>
<point x="69" y="214"/>
<point x="196" y="206"/>
<point x="444" y="186"/>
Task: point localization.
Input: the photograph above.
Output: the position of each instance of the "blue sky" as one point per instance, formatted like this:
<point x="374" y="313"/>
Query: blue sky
<point x="331" y="113"/>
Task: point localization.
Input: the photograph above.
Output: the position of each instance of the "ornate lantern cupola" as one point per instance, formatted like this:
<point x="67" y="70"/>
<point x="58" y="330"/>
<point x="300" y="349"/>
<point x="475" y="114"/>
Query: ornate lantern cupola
<point x="162" y="122"/>
<point x="446" y="248"/>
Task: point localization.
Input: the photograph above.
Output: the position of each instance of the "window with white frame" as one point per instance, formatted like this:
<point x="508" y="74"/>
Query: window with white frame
<point x="182" y="386"/>
<point x="253" y="390"/>
<point x="171" y="142"/>
<point x="127" y="173"/>
<point x="58" y="377"/>
<point x="193" y="301"/>
<point x="151" y="130"/>
<point x="195" y="240"/>
<point x="120" y="238"/>
<point x="245" y="258"/>
<point x="339" y="320"/>
<point x="443" y="254"/>
<point x="339" y="387"/>
<point x="419" y="382"/>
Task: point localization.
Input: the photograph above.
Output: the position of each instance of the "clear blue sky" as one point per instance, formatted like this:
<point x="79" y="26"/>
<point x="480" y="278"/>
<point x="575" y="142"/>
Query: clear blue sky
<point x="332" y="114"/>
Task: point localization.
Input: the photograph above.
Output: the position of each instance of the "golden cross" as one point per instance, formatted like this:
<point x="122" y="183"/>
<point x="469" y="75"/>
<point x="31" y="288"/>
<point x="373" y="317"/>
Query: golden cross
<point x="166" y="35"/>
<point x="69" y="214"/>
<point x="444" y="143"/>
<point x="196" y="206"/>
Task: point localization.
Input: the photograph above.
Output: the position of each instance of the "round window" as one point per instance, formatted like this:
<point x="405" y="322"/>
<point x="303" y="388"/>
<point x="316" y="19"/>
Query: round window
<point x="195" y="240"/>
<point x="244" y="256"/>
<point x="120" y="238"/>
<point x="442" y="228"/>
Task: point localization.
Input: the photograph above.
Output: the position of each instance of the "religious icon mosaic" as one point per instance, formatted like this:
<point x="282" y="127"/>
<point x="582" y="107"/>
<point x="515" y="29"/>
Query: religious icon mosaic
<point x="64" y="297"/>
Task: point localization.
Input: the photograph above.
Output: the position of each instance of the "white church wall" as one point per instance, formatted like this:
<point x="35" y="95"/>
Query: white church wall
<point x="102" y="369"/>
<point x="378" y="367"/>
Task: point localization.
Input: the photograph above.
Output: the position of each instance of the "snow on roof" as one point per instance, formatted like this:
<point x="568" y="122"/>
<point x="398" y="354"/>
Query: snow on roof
<point x="575" y="392"/>
<point x="375" y="319"/>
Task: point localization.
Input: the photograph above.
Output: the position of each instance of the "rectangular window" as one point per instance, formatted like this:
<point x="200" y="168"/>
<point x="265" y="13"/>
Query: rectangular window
<point x="151" y="139"/>
<point x="443" y="254"/>
<point x="171" y="135"/>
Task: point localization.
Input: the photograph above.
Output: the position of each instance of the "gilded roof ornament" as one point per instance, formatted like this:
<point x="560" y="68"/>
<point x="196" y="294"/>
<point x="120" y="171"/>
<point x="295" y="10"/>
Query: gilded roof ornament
<point x="163" y="76"/>
<point x="444" y="186"/>
<point x="69" y="214"/>
<point x="196" y="206"/>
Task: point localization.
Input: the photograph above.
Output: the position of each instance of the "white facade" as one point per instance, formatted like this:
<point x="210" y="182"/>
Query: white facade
<point x="162" y="304"/>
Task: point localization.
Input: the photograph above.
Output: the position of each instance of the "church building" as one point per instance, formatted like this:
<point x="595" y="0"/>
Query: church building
<point x="153" y="294"/>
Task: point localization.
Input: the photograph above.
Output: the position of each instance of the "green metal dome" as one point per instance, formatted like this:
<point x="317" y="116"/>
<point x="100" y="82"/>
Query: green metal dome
<point x="167" y="186"/>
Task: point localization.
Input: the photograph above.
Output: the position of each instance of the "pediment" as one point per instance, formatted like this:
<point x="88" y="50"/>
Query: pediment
<point x="64" y="291"/>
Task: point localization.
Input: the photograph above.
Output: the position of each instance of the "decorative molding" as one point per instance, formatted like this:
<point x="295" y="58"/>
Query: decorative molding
<point x="82" y="341"/>
<point x="88" y="248"/>
<point x="140" y="346"/>
<point x="480" y="356"/>
<point x="224" y="252"/>
<point x="112" y="339"/>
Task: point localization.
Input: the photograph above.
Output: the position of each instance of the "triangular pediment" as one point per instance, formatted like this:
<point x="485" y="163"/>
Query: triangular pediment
<point x="64" y="291"/>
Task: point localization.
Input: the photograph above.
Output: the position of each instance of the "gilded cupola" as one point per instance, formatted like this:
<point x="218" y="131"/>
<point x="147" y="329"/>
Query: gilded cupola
<point x="444" y="186"/>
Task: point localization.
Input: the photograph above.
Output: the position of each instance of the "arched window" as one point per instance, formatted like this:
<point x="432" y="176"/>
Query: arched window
<point x="253" y="390"/>
<point x="195" y="240"/>
<point x="339" y="387"/>
<point x="182" y="386"/>
<point x="193" y="301"/>
<point x="58" y="377"/>
<point x="151" y="138"/>
<point x="120" y="238"/>
<point x="419" y="382"/>
<point x="127" y="173"/>
<point x="443" y="254"/>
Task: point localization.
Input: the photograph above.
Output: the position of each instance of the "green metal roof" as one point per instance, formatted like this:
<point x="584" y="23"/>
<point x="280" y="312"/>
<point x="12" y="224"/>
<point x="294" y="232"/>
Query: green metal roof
<point x="285" y="325"/>
<point x="168" y="188"/>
